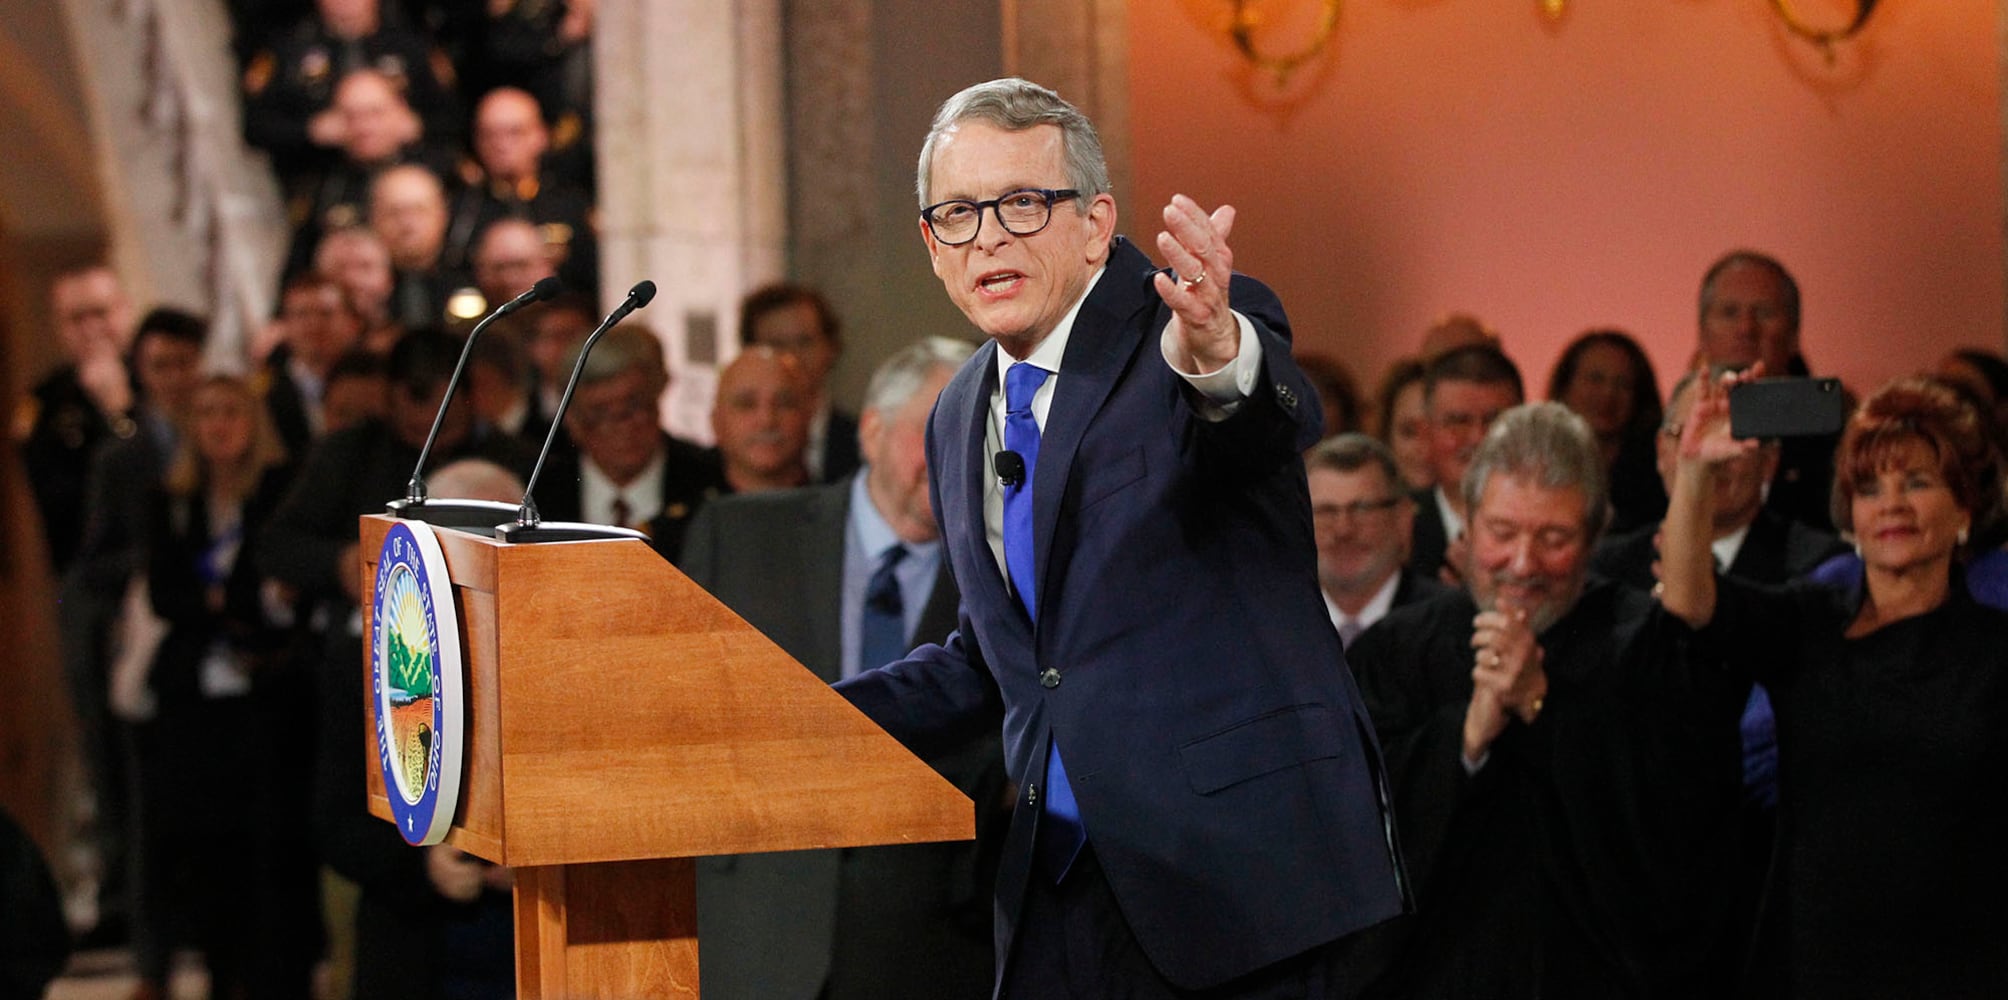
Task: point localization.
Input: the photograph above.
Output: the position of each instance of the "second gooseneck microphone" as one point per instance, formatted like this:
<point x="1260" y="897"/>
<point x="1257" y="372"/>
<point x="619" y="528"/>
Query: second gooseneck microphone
<point x="637" y="297"/>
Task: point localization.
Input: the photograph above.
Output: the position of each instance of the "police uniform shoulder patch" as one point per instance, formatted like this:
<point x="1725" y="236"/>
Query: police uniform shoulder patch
<point x="26" y="412"/>
<point x="314" y="65"/>
<point x="442" y="69"/>
<point x="567" y="131"/>
<point x="258" y="74"/>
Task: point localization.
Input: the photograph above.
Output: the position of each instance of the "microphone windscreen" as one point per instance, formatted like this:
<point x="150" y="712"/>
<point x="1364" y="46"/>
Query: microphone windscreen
<point x="1010" y="467"/>
<point x="642" y="292"/>
<point x="546" y="289"/>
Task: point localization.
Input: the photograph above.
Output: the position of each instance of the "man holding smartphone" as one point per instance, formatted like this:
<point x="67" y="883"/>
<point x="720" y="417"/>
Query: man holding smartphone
<point x="1749" y="312"/>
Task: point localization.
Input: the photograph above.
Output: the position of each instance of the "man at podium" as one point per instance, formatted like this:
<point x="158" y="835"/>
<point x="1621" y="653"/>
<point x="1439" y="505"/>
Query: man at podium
<point x="1201" y="804"/>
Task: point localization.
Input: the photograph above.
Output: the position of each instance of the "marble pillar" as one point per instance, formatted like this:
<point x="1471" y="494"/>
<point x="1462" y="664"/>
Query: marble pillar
<point x="690" y="133"/>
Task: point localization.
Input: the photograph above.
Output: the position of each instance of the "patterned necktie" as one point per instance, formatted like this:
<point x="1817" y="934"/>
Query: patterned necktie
<point x="1061" y="842"/>
<point x="882" y="639"/>
<point x="623" y="514"/>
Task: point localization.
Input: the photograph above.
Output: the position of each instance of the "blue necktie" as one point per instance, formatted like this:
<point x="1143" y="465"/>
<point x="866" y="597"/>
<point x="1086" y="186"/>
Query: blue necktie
<point x="1064" y="834"/>
<point x="882" y="639"/>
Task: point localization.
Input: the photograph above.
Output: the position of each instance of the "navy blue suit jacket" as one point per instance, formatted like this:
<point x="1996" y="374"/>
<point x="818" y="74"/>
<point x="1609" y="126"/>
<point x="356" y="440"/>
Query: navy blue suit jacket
<point x="1225" y="769"/>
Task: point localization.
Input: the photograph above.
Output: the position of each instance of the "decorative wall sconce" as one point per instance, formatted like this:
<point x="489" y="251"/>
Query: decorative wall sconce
<point x="1245" y="20"/>
<point x="1825" y="38"/>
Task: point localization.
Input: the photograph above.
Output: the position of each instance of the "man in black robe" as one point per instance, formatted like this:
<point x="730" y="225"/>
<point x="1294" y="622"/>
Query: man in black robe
<point x="1564" y="789"/>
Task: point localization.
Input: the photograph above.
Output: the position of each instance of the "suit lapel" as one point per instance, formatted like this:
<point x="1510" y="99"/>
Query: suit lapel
<point x="1102" y="341"/>
<point x="963" y="418"/>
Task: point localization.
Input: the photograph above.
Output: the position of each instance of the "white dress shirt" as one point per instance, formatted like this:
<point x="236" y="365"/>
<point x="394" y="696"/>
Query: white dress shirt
<point x="1224" y="390"/>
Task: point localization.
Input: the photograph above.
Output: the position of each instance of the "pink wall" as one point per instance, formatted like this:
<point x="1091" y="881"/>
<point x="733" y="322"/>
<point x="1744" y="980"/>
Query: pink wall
<point x="1463" y="155"/>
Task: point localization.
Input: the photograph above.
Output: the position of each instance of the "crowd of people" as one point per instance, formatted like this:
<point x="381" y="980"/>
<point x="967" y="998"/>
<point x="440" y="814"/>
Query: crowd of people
<point x="433" y="156"/>
<point x="1721" y="729"/>
<point x="1651" y="726"/>
<point x="203" y="532"/>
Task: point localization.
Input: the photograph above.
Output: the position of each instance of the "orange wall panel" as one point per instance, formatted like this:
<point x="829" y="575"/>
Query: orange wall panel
<point x="1465" y="155"/>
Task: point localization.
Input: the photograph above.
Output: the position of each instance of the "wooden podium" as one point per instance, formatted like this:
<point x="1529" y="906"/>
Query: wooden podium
<point x="620" y="722"/>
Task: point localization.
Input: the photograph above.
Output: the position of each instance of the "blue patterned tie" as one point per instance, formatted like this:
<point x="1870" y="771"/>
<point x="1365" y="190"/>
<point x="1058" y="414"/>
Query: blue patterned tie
<point x="882" y="636"/>
<point x="1065" y="833"/>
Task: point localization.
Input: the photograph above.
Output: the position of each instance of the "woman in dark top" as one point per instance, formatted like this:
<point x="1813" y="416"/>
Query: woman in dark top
<point x="1607" y="379"/>
<point x="196" y="763"/>
<point x="1892" y="707"/>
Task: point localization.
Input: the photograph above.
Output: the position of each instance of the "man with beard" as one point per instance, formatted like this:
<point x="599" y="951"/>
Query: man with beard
<point x="1362" y="521"/>
<point x="1565" y="792"/>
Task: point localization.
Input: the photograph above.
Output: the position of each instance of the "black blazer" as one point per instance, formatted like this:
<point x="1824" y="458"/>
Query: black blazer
<point x="840" y="447"/>
<point x="1775" y="550"/>
<point x="1427" y="544"/>
<point x="878" y="922"/>
<point x="691" y="475"/>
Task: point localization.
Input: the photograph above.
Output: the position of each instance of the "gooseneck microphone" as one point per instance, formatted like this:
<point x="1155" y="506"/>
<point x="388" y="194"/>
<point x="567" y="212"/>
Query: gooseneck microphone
<point x="1010" y="467"/>
<point x="414" y="491"/>
<point x="529" y="526"/>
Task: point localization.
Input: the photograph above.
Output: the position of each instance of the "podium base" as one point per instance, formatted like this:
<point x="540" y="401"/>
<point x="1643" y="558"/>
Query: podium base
<point x="612" y="929"/>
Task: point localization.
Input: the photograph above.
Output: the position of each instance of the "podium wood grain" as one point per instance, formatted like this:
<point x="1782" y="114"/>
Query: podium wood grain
<point x="621" y="721"/>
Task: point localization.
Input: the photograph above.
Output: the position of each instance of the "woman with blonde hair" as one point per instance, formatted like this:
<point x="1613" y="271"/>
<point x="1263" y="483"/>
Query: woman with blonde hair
<point x="199" y="760"/>
<point x="1892" y="705"/>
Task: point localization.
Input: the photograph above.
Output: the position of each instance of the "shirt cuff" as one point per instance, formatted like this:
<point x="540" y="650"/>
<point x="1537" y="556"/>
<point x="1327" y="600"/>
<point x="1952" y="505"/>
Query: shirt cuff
<point x="1472" y="767"/>
<point x="1223" y="391"/>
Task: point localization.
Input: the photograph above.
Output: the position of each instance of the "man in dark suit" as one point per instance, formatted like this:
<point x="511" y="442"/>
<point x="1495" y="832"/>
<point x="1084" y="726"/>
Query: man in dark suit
<point x="1751" y="541"/>
<point x="1566" y="787"/>
<point x="317" y="325"/>
<point x="815" y="569"/>
<point x="1363" y="521"/>
<point x="624" y="468"/>
<point x="1199" y="801"/>
<point x="166" y="363"/>
<point x="1463" y="391"/>
<point x="797" y="320"/>
<point x="1749" y="312"/>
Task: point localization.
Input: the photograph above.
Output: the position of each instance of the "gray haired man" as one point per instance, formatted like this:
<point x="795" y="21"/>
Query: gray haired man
<point x="1565" y="784"/>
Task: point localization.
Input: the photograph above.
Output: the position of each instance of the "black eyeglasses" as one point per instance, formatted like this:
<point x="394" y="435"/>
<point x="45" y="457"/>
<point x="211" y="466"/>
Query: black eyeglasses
<point x="1023" y="212"/>
<point x="1356" y="510"/>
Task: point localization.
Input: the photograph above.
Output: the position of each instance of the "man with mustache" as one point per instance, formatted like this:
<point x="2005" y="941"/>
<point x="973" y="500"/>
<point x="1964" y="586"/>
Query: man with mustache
<point x="761" y="421"/>
<point x="1565" y="792"/>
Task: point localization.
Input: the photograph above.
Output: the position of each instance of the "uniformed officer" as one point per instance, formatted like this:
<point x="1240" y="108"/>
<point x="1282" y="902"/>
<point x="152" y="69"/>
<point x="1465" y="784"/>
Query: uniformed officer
<point x="78" y="405"/>
<point x="511" y="176"/>
<point x="289" y="84"/>
<point x="379" y="130"/>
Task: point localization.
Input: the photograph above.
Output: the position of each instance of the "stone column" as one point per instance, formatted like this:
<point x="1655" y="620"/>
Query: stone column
<point x="692" y="175"/>
<point x="864" y="78"/>
<point x="1081" y="49"/>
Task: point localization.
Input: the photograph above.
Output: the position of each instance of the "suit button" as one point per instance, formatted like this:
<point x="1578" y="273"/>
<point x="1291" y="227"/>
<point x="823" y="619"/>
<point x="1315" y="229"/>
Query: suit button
<point x="1285" y="397"/>
<point x="1049" y="678"/>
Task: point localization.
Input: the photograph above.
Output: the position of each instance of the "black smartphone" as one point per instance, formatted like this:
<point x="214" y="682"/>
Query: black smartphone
<point x="1787" y="407"/>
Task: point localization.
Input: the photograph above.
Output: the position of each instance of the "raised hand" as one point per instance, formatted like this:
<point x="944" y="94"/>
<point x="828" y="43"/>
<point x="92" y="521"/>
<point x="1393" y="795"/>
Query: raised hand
<point x="1195" y="245"/>
<point x="1507" y="678"/>
<point x="1705" y="436"/>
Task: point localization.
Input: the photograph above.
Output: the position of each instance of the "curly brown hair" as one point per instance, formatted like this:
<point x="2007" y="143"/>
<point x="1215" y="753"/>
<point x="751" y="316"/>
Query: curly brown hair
<point x="1918" y="409"/>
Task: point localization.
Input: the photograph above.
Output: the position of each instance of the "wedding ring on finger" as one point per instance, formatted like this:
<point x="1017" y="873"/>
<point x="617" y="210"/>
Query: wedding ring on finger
<point x="1195" y="281"/>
